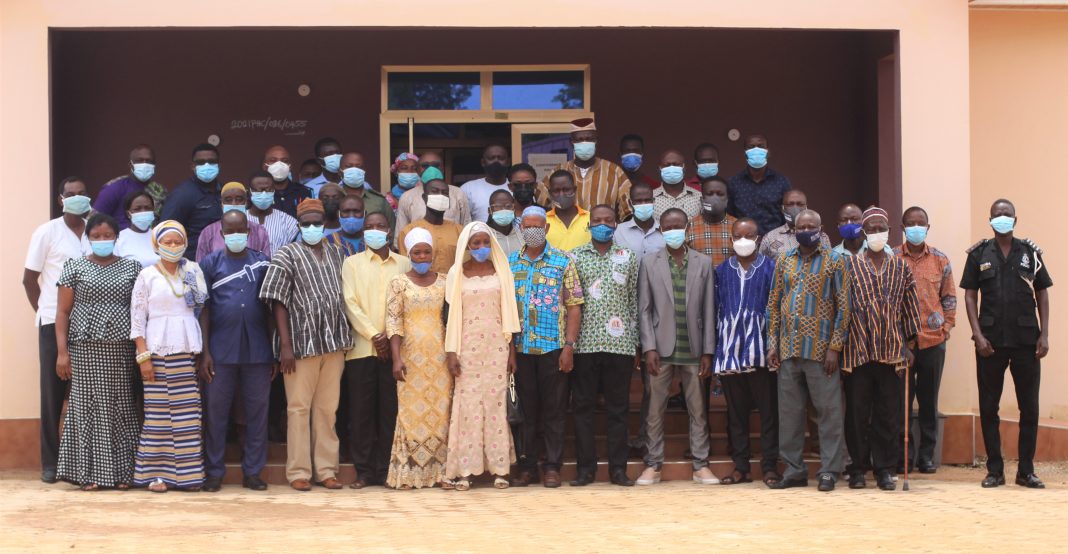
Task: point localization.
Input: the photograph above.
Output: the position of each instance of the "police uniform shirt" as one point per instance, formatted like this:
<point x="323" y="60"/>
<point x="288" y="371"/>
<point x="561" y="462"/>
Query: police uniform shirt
<point x="1007" y="288"/>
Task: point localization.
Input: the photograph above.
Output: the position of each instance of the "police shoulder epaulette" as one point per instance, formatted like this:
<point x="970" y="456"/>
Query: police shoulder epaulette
<point x="976" y="245"/>
<point x="1033" y="246"/>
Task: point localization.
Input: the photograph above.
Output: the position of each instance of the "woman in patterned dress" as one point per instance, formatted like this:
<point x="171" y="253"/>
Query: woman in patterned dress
<point x="95" y="354"/>
<point x="481" y="355"/>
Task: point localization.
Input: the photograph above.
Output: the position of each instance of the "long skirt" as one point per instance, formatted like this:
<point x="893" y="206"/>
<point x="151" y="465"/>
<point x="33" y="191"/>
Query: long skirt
<point x="102" y="423"/>
<point x="170" y="447"/>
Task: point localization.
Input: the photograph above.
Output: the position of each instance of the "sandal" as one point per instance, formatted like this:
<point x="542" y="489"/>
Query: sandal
<point x="447" y="485"/>
<point x="158" y="486"/>
<point x="735" y="478"/>
<point x="463" y="484"/>
<point x="500" y="483"/>
<point x="771" y="478"/>
<point x="90" y="487"/>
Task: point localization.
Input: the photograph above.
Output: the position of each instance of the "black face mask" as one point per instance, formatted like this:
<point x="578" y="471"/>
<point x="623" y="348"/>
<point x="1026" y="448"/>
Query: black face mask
<point x="524" y="194"/>
<point x="495" y="170"/>
<point x="331" y="208"/>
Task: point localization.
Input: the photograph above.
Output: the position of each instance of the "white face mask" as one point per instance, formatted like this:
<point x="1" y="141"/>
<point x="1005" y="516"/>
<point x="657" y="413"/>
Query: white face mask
<point x="437" y="202"/>
<point x="877" y="241"/>
<point x="279" y="170"/>
<point x="744" y="247"/>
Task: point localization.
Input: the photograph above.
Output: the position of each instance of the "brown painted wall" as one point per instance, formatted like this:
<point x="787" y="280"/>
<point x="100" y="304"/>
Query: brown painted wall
<point x="809" y="91"/>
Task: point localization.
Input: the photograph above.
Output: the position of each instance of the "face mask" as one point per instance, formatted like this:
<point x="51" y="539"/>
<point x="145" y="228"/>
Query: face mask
<point x="437" y="202"/>
<point x="421" y="268"/>
<point x="709" y="169"/>
<point x="312" y="235"/>
<point x="353" y="177"/>
<point x="142" y="220"/>
<point x="585" y="150"/>
<point x="564" y="202"/>
<point x="143" y="171"/>
<point x="756" y="157"/>
<point x="171" y="254"/>
<point x="374" y="238"/>
<point x="642" y="212"/>
<point x="808" y="238"/>
<point x="524" y="194"/>
<point x="102" y="248"/>
<point x="279" y="171"/>
<point x="235" y="207"/>
<point x="791" y="213"/>
<point x="533" y="237"/>
<point x="76" y="205"/>
<point x="236" y="242"/>
<point x="351" y="225"/>
<point x="876" y="241"/>
<point x="714" y="204"/>
<point x="849" y="231"/>
<point x="207" y="173"/>
<point x="495" y="170"/>
<point x="263" y="200"/>
<point x="480" y="254"/>
<point x="407" y="180"/>
<point x="916" y="234"/>
<point x="631" y="161"/>
<point x="744" y="247"/>
<point x="503" y="217"/>
<point x="675" y="237"/>
<point x="671" y="175"/>
<point x="1003" y="224"/>
<point x="602" y="232"/>
<point x="331" y="208"/>
<point x="332" y="162"/>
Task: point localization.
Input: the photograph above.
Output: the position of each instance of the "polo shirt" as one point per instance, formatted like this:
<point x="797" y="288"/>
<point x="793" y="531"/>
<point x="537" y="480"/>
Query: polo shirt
<point x="568" y="237"/>
<point x="194" y="205"/>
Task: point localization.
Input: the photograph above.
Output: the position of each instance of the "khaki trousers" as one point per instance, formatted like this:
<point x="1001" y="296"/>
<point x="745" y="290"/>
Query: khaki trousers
<point x="312" y="392"/>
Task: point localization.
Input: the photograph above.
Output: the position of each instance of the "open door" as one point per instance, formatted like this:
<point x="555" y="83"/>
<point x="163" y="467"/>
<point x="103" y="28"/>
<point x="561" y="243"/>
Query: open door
<point x="542" y="145"/>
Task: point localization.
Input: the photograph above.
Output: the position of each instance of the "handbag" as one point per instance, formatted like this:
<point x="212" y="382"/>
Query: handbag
<point x="515" y="412"/>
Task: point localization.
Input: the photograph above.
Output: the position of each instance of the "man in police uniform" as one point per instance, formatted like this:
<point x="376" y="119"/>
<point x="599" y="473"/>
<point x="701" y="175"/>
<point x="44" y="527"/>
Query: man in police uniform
<point x="1013" y="279"/>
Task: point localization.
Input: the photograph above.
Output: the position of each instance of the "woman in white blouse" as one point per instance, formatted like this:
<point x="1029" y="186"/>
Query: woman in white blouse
<point x="136" y="240"/>
<point x="163" y="325"/>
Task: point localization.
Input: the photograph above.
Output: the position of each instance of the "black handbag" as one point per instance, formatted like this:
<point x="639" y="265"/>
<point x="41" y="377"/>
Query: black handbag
<point x="515" y="412"/>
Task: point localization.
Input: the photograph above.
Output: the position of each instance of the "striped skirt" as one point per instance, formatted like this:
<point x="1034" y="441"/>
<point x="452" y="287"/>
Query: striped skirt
<point x="170" y="447"/>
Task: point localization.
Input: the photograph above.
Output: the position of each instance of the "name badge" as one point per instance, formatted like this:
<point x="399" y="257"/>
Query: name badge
<point x="984" y="266"/>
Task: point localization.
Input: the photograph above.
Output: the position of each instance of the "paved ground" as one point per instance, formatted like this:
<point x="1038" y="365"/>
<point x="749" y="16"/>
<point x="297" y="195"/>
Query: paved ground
<point x="949" y="513"/>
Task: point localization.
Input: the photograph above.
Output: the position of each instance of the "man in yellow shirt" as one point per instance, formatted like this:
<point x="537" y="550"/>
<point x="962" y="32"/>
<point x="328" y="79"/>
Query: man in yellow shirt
<point x="371" y="389"/>
<point x="568" y="223"/>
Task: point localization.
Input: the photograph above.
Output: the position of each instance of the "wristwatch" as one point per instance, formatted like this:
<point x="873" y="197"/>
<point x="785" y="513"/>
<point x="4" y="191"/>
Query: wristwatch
<point x="570" y="343"/>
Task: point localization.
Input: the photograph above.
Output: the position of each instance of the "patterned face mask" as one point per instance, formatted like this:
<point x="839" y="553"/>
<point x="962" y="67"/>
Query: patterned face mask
<point x="534" y="236"/>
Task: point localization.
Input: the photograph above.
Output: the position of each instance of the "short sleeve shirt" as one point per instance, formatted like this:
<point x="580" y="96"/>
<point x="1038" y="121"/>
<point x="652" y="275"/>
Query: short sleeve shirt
<point x="51" y="245"/>
<point x="544" y="288"/>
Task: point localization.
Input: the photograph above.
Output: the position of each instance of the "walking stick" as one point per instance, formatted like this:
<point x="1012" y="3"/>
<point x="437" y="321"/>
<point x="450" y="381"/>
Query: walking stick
<point x="908" y="416"/>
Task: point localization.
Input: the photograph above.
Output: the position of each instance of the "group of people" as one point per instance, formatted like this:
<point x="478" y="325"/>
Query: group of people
<point x="439" y="333"/>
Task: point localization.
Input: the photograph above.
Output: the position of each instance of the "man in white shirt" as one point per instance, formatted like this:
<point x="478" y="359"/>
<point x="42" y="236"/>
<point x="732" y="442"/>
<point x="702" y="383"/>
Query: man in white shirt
<point x="478" y="191"/>
<point x="51" y="246"/>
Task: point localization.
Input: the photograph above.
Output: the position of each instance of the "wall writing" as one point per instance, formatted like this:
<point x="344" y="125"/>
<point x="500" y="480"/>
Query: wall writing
<point x="286" y="126"/>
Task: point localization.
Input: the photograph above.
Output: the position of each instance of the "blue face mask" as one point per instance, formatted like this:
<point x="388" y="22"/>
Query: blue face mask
<point x="602" y="232"/>
<point x="235" y="207"/>
<point x="631" y="161"/>
<point x="236" y="242"/>
<point x="675" y="237"/>
<point x="102" y="248"/>
<point x="374" y="238"/>
<point x="585" y="150"/>
<point x="916" y="234"/>
<point x="709" y="169"/>
<point x="642" y="212"/>
<point x="671" y="175"/>
<point x="312" y="235"/>
<point x="207" y="173"/>
<point x="263" y="200"/>
<point x="142" y="220"/>
<point x="756" y="157"/>
<point x="76" y="205"/>
<point x="1003" y="224"/>
<point x="849" y="231"/>
<point x="480" y="254"/>
<point x="332" y="162"/>
<point x="143" y="171"/>
<point x="407" y="180"/>
<point x="503" y="217"/>
<point x="351" y="225"/>
<point x="421" y="268"/>
<point x="353" y="177"/>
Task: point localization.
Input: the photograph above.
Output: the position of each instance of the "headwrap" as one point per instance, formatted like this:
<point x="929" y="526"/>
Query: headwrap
<point x="167" y="227"/>
<point x="233" y="185"/>
<point x="310" y="206"/>
<point x="874" y="211"/>
<point x="431" y="173"/>
<point x="583" y="124"/>
<point x="534" y="210"/>
<point x="403" y="157"/>
<point x="417" y="235"/>
<point x="196" y="290"/>
<point x="454" y="286"/>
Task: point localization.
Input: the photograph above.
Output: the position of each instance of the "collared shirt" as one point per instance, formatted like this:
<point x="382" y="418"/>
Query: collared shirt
<point x="51" y="245"/>
<point x="511" y="242"/>
<point x="376" y="202"/>
<point x="843" y="251"/>
<point x="783" y="239"/>
<point x="544" y="289"/>
<point x="478" y="192"/>
<point x="281" y="227"/>
<point x="211" y="239"/>
<point x="637" y="240"/>
<point x="411" y="207"/>
<point x="568" y="237"/>
<point x="808" y="307"/>
<point x="603" y="183"/>
<point x="113" y="195"/>
<point x="688" y="201"/>
<point x="741" y="308"/>
<point x="711" y="239"/>
<point x="310" y="289"/>
<point x="239" y="332"/>
<point x="365" y="277"/>
<point x="883" y="314"/>
<point x="935" y="292"/>
<point x="761" y="201"/>
<point x="610" y="293"/>
<point x="317" y="182"/>
<point x="286" y="200"/>
<point x="1007" y="287"/>
<point x="194" y="205"/>
<point x="683" y="353"/>
<point x="445" y="238"/>
<point x="348" y="246"/>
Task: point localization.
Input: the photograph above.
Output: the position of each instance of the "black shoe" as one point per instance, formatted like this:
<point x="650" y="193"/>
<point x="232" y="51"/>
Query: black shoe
<point x="926" y="466"/>
<point x="582" y="479"/>
<point x="254" y="482"/>
<point x="901" y="469"/>
<point x="789" y="484"/>
<point x="48" y="476"/>
<point x="826" y="483"/>
<point x="619" y="477"/>
<point x="885" y="481"/>
<point x="993" y="480"/>
<point x="858" y="481"/>
<point x="211" y="484"/>
<point x="1030" y="481"/>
